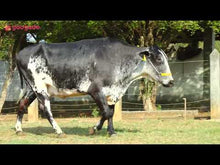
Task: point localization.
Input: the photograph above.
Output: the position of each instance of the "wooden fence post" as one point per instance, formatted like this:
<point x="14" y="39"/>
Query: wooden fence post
<point x="33" y="111"/>
<point x="118" y="111"/>
<point x="215" y="84"/>
<point x="184" y="108"/>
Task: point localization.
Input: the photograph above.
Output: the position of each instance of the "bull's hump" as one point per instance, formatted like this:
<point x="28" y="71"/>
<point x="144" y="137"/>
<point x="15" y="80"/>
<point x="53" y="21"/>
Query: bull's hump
<point x="86" y="42"/>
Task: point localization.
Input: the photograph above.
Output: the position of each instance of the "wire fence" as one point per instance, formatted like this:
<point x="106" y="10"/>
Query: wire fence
<point x="179" y="103"/>
<point x="185" y="62"/>
<point x="123" y="103"/>
<point x="189" y="76"/>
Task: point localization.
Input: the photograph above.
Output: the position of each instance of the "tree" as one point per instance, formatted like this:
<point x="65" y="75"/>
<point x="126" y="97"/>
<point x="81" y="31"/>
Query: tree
<point x="139" y="33"/>
<point x="11" y="42"/>
<point x="148" y="88"/>
<point x="174" y="31"/>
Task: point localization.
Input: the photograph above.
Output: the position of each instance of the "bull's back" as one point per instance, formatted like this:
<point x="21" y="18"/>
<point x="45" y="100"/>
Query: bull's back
<point x="69" y="63"/>
<point x="82" y="51"/>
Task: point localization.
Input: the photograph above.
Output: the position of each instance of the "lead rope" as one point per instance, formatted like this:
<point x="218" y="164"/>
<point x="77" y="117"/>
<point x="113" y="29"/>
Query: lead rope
<point x="159" y="73"/>
<point x="154" y="67"/>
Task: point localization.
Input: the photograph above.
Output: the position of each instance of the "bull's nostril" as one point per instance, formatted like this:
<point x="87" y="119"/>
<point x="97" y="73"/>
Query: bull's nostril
<point x="171" y="82"/>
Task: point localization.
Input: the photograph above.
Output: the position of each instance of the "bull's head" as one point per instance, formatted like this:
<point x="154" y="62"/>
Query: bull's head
<point x="156" y="65"/>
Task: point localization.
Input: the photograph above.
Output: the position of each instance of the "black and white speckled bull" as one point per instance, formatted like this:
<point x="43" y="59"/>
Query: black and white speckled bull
<point x="103" y="68"/>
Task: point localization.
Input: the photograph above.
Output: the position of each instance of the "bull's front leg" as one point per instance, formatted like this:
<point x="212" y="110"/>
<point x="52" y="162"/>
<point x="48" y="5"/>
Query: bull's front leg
<point x="106" y="110"/>
<point x="110" y="127"/>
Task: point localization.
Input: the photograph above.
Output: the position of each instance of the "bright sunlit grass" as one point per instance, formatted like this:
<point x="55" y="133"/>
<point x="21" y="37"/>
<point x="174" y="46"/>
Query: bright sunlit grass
<point x="148" y="131"/>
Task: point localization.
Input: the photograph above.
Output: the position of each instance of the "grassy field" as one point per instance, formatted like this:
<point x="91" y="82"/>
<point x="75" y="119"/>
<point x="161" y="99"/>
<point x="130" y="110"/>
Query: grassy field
<point x="147" y="131"/>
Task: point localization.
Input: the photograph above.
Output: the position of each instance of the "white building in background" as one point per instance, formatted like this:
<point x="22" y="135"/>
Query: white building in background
<point x="30" y="38"/>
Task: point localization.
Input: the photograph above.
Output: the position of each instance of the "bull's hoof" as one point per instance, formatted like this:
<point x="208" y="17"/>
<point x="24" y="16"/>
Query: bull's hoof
<point x="92" y="131"/>
<point x="20" y="133"/>
<point x="61" y="135"/>
<point x="112" y="134"/>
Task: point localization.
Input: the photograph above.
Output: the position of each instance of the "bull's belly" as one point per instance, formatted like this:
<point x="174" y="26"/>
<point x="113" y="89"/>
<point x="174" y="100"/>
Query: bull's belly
<point x="111" y="95"/>
<point x="63" y="93"/>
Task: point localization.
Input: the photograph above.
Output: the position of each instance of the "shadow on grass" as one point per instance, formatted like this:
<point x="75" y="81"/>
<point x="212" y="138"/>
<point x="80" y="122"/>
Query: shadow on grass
<point x="73" y="131"/>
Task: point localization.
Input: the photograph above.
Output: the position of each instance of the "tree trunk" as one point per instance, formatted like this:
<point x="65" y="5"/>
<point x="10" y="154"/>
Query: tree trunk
<point x="148" y="94"/>
<point x="145" y="96"/>
<point x="7" y="81"/>
<point x="149" y="36"/>
<point x="19" y="42"/>
<point x="148" y="106"/>
<point x="154" y="96"/>
<point x="4" y="90"/>
<point x="148" y="90"/>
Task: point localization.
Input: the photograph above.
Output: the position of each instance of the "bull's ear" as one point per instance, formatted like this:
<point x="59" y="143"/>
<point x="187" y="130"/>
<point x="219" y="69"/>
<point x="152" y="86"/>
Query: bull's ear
<point x="144" y="54"/>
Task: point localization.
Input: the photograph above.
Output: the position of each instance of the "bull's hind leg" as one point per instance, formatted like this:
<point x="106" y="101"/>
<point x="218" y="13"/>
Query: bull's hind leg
<point x="26" y="100"/>
<point x="44" y="100"/>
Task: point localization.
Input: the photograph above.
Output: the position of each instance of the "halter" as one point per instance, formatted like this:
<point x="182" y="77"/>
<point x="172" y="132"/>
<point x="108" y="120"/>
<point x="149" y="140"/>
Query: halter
<point x="159" y="73"/>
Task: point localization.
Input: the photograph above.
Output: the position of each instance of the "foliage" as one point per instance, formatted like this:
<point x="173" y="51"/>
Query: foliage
<point x="211" y="24"/>
<point x="167" y="31"/>
<point x="131" y="31"/>
<point x="95" y="112"/>
<point x="65" y="31"/>
<point x="187" y="26"/>
<point x="147" y="88"/>
<point x="159" y="107"/>
<point x="178" y="26"/>
<point x="12" y="38"/>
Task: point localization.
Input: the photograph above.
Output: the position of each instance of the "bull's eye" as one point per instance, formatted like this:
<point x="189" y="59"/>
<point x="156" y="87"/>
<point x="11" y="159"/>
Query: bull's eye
<point x="147" y="54"/>
<point x="159" y="60"/>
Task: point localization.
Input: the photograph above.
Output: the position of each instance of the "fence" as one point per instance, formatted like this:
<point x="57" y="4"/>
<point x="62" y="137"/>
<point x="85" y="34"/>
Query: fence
<point x="215" y="84"/>
<point x="188" y="77"/>
<point x="189" y="83"/>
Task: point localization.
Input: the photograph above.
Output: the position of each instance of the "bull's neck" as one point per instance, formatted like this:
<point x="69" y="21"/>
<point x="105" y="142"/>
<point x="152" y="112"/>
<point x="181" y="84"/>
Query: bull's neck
<point x="137" y="73"/>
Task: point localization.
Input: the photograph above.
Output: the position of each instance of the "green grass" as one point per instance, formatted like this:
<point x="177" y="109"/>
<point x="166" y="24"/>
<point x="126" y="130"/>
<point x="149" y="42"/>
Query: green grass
<point x="217" y="45"/>
<point x="149" y="131"/>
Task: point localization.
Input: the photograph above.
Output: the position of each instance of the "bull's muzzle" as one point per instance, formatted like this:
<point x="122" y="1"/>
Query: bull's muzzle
<point x="169" y="84"/>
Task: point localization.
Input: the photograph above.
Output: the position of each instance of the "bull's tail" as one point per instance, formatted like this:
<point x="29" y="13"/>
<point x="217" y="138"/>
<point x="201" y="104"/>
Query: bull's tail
<point x="22" y="85"/>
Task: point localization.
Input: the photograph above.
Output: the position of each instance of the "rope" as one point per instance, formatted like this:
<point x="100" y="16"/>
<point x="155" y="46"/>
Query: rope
<point x="161" y="93"/>
<point x="198" y="101"/>
<point x="186" y="102"/>
<point x="169" y="103"/>
<point x="131" y="103"/>
<point x="182" y="62"/>
<point x="123" y="102"/>
<point x="134" y="108"/>
<point x="9" y="108"/>
<point x="72" y="110"/>
<point x="70" y="105"/>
